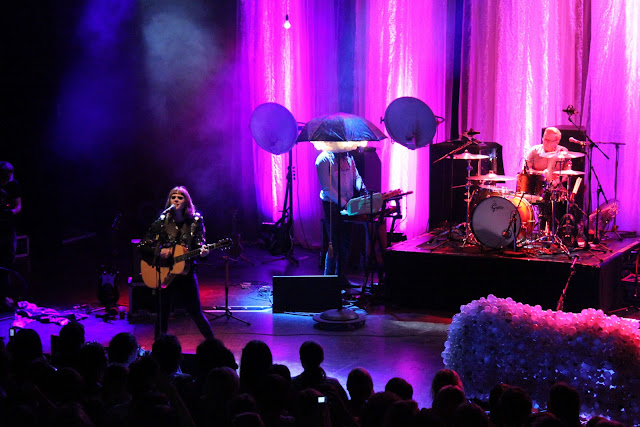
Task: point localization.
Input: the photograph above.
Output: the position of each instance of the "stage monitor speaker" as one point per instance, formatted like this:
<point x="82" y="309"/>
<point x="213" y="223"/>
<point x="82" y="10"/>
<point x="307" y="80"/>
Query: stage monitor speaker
<point x="312" y="294"/>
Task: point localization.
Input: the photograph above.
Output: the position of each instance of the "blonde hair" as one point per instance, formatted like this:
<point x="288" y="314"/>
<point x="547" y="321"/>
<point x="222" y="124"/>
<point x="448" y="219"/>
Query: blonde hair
<point x="189" y="208"/>
<point x="552" y="129"/>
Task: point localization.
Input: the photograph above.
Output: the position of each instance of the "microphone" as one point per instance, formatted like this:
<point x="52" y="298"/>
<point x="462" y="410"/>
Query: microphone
<point x="575" y="141"/>
<point x="507" y="231"/>
<point x="472" y="132"/>
<point x="166" y="211"/>
<point x="570" y="110"/>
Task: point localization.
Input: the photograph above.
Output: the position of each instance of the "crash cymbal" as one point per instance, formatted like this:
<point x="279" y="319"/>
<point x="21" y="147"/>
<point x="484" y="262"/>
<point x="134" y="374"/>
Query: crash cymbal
<point x="568" y="172"/>
<point x="469" y="156"/>
<point x="562" y="155"/>
<point x="491" y="177"/>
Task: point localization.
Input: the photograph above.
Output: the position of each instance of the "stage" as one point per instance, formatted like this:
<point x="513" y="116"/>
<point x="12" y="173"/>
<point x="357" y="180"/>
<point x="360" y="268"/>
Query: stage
<point x="432" y="272"/>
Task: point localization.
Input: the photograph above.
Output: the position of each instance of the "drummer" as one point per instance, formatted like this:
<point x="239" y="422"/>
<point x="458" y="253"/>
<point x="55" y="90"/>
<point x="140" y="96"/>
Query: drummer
<point x="543" y="159"/>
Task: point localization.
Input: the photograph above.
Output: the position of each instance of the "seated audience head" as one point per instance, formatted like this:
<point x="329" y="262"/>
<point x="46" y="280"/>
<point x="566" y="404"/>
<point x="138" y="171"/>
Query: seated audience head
<point x="143" y="376"/>
<point x="400" y="387"/>
<point x="514" y="406"/>
<point x="71" y="336"/>
<point x="311" y="355"/>
<point x="255" y="362"/>
<point x="123" y="348"/>
<point x="25" y="346"/>
<point x="212" y="353"/>
<point x="442" y="378"/>
<point x="167" y="351"/>
<point x="376" y="408"/>
<point x="564" y="403"/>
<point x="494" y="402"/>
<point x="446" y="402"/>
<point x="92" y="363"/>
<point x="401" y="413"/>
<point x="470" y="414"/>
<point x="360" y="384"/>
<point x="222" y="384"/>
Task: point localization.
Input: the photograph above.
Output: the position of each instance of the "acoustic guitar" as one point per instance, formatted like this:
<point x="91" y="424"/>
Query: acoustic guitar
<point x="175" y="265"/>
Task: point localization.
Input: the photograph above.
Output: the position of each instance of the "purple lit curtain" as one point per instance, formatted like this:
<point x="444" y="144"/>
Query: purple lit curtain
<point x="403" y="50"/>
<point x="523" y="62"/>
<point x="612" y="102"/>
<point x="295" y="68"/>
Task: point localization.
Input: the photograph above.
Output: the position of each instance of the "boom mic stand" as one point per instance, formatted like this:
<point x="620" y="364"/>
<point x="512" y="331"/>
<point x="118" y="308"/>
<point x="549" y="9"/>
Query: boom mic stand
<point x="571" y="111"/>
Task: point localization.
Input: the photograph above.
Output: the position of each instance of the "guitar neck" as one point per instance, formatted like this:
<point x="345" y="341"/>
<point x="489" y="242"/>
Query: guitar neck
<point x="191" y="254"/>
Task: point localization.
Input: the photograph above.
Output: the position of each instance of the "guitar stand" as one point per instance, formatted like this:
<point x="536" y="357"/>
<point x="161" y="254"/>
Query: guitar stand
<point x="227" y="313"/>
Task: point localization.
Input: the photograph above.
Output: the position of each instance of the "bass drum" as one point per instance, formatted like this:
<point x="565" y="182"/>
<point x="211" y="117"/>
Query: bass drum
<point x="493" y="220"/>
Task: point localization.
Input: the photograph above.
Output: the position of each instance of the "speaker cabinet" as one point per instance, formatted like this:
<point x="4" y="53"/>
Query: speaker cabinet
<point x="369" y="167"/>
<point x="312" y="294"/>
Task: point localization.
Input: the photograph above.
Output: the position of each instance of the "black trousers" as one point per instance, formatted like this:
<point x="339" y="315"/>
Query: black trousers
<point x="339" y="233"/>
<point x="186" y="289"/>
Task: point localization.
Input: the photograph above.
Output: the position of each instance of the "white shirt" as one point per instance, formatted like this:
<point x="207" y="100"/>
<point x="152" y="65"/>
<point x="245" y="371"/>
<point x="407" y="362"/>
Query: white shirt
<point x="328" y="170"/>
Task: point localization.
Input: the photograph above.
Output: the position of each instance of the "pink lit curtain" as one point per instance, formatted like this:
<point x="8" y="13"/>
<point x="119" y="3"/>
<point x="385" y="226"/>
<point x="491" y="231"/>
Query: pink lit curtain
<point x="524" y="61"/>
<point x="297" y="69"/>
<point x="402" y="48"/>
<point x="612" y="102"/>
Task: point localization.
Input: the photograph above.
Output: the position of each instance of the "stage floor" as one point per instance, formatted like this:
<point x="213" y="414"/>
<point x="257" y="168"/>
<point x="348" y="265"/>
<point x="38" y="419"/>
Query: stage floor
<point x="406" y="322"/>
<point x="445" y="273"/>
<point x="392" y="342"/>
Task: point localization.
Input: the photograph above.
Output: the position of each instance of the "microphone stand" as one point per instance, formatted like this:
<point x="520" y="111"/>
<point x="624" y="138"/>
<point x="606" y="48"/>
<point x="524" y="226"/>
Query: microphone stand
<point x="560" y="305"/>
<point x="590" y="147"/>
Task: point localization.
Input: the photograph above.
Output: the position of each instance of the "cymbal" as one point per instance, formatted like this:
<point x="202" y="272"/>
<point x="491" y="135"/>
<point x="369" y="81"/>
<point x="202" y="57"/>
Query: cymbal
<point x="568" y="172"/>
<point x="491" y="177"/>
<point x="562" y="155"/>
<point x="469" y="156"/>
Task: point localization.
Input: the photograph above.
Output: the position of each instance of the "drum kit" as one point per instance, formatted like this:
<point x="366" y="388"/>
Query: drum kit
<point x="498" y="217"/>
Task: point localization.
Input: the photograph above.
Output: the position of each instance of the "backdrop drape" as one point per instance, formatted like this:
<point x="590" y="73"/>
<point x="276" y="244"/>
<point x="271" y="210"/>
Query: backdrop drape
<point x="522" y="63"/>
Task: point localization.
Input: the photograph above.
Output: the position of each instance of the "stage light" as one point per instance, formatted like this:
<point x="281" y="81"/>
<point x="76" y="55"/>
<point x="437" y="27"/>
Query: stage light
<point x="287" y="24"/>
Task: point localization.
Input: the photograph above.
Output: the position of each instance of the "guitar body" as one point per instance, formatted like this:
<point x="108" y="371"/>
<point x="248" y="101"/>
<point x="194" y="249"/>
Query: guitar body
<point x="175" y="266"/>
<point x="169" y="269"/>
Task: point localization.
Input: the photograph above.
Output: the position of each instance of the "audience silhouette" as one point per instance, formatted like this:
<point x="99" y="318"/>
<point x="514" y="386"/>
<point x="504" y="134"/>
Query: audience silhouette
<point x="84" y="384"/>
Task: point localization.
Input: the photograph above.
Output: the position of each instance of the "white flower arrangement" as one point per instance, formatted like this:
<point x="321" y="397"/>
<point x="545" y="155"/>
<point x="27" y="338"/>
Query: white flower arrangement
<point x="494" y="340"/>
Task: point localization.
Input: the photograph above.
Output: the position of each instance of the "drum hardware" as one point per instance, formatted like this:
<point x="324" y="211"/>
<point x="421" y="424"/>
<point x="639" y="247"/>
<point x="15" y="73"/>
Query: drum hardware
<point x="451" y="155"/>
<point x="492" y="177"/>
<point x="589" y="156"/>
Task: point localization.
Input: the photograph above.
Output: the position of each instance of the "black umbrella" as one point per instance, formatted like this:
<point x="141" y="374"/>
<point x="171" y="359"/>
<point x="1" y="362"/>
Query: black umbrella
<point x="340" y="127"/>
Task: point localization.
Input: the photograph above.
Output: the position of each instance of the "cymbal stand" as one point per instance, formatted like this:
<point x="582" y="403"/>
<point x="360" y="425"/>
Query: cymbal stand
<point x="553" y="238"/>
<point x="450" y="155"/>
<point x="467" y="232"/>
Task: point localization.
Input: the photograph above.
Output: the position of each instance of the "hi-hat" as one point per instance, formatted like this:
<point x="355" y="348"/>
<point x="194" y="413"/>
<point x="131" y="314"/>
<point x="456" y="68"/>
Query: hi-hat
<point x="568" y="172"/>
<point x="491" y="177"/>
<point x="469" y="156"/>
<point x="562" y="155"/>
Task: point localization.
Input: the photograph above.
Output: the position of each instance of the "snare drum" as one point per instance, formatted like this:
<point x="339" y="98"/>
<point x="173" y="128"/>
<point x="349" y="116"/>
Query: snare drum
<point x="530" y="183"/>
<point x="494" y="218"/>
